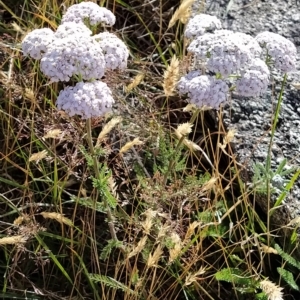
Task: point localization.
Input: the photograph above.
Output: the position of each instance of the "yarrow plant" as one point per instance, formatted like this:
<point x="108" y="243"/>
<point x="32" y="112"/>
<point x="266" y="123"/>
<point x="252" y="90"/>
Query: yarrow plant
<point x="73" y="52"/>
<point x="231" y="58"/>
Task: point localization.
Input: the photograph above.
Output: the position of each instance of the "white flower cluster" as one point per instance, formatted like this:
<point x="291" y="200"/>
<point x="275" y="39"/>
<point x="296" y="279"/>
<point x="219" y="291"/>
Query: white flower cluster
<point x="89" y="12"/>
<point x="203" y="90"/>
<point x="36" y="42"/>
<point x="73" y="52"/>
<point x="282" y="51"/>
<point x="201" y="23"/>
<point x="86" y="99"/>
<point x="255" y="80"/>
<point x="114" y="50"/>
<point x="224" y="52"/>
<point x="71" y="56"/>
<point x="68" y="29"/>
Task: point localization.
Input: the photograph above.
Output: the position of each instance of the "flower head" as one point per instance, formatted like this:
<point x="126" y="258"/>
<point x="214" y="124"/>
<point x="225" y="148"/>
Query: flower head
<point x="114" y="50"/>
<point x="223" y="51"/>
<point x="282" y="51"/>
<point x="86" y="99"/>
<point x="89" y="12"/>
<point x="70" y="28"/>
<point x="203" y="90"/>
<point x="36" y="43"/>
<point x="74" y="55"/>
<point x="254" y="80"/>
<point x="201" y="23"/>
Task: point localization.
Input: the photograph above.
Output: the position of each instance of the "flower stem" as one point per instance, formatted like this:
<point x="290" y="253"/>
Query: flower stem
<point x="97" y="175"/>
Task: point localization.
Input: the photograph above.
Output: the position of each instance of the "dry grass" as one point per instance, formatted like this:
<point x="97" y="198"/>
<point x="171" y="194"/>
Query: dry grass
<point x="179" y="208"/>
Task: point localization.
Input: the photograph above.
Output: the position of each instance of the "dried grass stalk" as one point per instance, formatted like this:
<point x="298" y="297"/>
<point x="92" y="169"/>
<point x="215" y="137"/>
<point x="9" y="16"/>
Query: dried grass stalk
<point x="38" y="156"/>
<point x="154" y="258"/>
<point x="136" y="81"/>
<point x="58" y="217"/>
<point x="52" y="134"/>
<point x="171" y="77"/>
<point x="191" y="278"/>
<point x="13" y="240"/>
<point x="129" y="145"/>
<point x="182" y="13"/>
<point x="140" y="246"/>
<point x="107" y="129"/>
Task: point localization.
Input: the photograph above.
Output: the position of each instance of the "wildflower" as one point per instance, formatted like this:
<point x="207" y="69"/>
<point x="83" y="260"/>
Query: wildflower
<point x="201" y="23"/>
<point x="89" y="12"/>
<point x="282" y="51"/>
<point x="36" y="43"/>
<point x="70" y="28"/>
<point x="203" y="90"/>
<point x="90" y="99"/>
<point x="254" y="81"/>
<point x="114" y="49"/>
<point x="74" y="55"/>
<point x="223" y="51"/>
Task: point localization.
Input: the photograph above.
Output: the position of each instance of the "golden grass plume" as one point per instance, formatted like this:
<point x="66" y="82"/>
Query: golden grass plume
<point x="273" y="291"/>
<point x="58" y="217"/>
<point x="171" y="77"/>
<point x="107" y="129"/>
<point x="13" y="240"/>
<point x="182" y="13"/>
<point x="129" y="145"/>
<point x="136" y="81"/>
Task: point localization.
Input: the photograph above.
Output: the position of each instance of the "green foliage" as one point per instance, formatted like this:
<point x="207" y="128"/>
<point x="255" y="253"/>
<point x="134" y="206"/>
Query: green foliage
<point x="262" y="176"/>
<point x="234" y="276"/>
<point x="111" y="283"/>
<point x="111" y="244"/>
<point x="166" y="152"/>
<point x="288" y="278"/>
<point x="288" y="258"/>
<point x="102" y="185"/>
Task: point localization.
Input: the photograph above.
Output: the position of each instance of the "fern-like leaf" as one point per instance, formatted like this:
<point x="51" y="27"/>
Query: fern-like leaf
<point x="288" y="258"/>
<point x="288" y="278"/>
<point x="233" y="275"/>
<point x="111" y="283"/>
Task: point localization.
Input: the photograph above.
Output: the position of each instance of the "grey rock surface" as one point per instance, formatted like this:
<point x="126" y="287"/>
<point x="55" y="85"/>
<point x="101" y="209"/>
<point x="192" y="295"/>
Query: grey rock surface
<point x="251" y="117"/>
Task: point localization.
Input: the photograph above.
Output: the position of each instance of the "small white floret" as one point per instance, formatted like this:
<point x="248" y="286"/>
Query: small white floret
<point x="201" y="23"/>
<point x="36" y="43"/>
<point x="114" y="50"/>
<point x="282" y="51"/>
<point x="86" y="99"/>
<point x="73" y="56"/>
<point x="89" y="12"/>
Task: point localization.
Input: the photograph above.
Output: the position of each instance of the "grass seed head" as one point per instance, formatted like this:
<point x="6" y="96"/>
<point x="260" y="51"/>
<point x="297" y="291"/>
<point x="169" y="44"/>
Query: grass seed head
<point x="13" y="240"/>
<point x="154" y="258"/>
<point x="182" y="13"/>
<point x="129" y="145"/>
<point x="140" y="246"/>
<point x="38" y="156"/>
<point x="136" y="81"/>
<point x="273" y="291"/>
<point x="171" y="77"/>
<point x="52" y="134"/>
<point x="190" y="278"/>
<point x="58" y="217"/>
<point x="107" y="129"/>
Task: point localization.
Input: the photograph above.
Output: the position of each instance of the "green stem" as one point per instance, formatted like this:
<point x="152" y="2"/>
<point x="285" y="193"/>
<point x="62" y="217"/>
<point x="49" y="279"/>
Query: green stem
<point x="268" y="164"/>
<point x="96" y="170"/>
